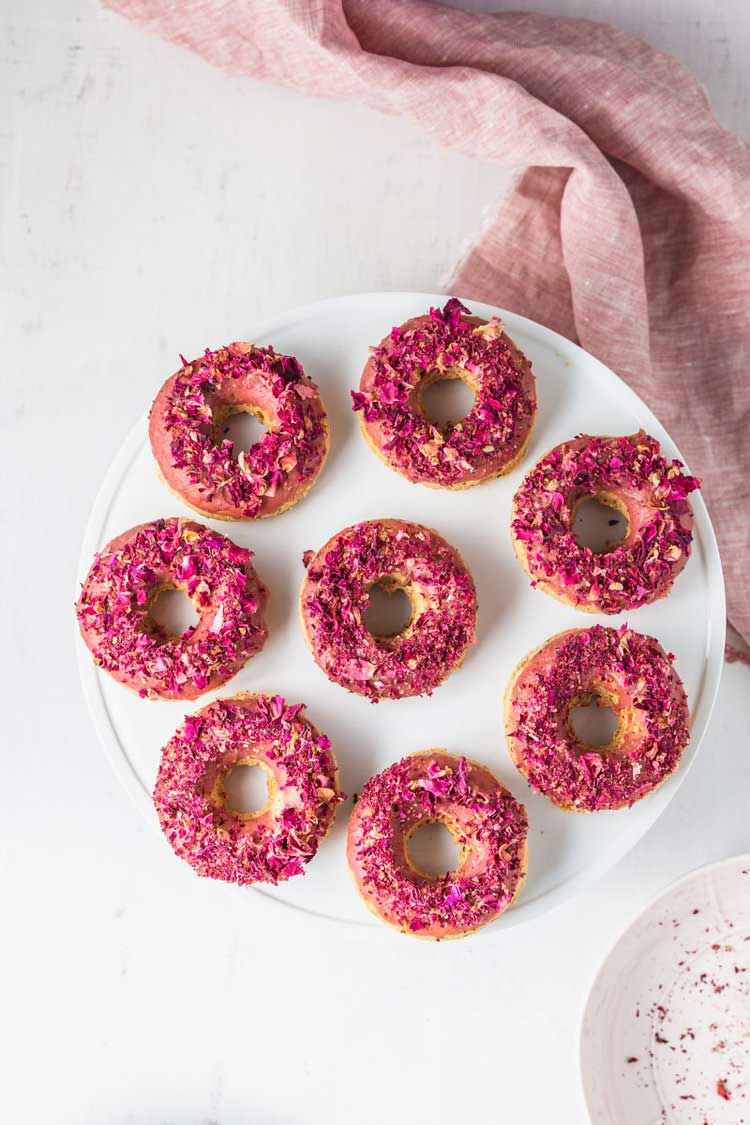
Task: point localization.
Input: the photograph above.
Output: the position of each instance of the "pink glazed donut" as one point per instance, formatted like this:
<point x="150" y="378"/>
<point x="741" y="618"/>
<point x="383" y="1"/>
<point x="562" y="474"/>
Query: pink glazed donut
<point x="448" y="344"/>
<point x="264" y="847"/>
<point x="617" y="668"/>
<point x="130" y="572"/>
<point x="486" y="821"/>
<point x="195" y="461"/>
<point x="628" y="474"/>
<point x="395" y="555"/>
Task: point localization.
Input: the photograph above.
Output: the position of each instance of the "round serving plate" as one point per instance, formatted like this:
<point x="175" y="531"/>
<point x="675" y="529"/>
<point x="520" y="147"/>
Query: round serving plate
<point x="665" y="1037"/>
<point x="577" y="394"/>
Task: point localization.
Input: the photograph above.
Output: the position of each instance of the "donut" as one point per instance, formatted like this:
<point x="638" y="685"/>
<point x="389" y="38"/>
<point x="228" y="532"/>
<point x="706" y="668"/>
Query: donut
<point x="172" y="554"/>
<point x="486" y="821"/>
<point x="196" y="462"/>
<point x="617" y="668"/>
<point x="268" y="846"/>
<point x="628" y="474"/>
<point x="395" y="555"/>
<point x="447" y="343"/>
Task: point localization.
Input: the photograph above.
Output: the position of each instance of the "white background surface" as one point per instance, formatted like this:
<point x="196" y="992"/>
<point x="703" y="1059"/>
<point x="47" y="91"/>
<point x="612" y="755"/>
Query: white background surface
<point x="151" y="205"/>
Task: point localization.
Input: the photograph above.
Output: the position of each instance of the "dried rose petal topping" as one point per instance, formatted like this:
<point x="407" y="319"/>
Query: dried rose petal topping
<point x="186" y="429"/>
<point x="448" y="343"/>
<point x="628" y="473"/>
<point x="486" y="821"/>
<point x="335" y="595"/>
<point x="275" y="843"/>
<point x="626" y="671"/>
<point x="129" y="573"/>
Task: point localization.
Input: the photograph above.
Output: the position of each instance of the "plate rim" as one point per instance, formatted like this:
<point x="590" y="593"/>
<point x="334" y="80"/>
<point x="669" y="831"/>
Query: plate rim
<point x="716" y="608"/>
<point x="661" y="896"/>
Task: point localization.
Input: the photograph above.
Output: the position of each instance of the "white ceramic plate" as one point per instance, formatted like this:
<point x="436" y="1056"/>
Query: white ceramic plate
<point x="576" y="393"/>
<point x="666" y="1032"/>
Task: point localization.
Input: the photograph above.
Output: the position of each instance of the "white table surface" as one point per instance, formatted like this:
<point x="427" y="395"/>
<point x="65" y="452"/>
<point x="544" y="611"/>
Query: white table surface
<point x="150" y="205"/>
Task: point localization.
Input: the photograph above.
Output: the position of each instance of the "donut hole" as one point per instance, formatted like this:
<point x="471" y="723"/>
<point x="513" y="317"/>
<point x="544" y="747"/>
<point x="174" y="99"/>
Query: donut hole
<point x="244" y="426"/>
<point x="432" y="849"/>
<point x="594" y="722"/>
<point x="600" y="522"/>
<point x="247" y="789"/>
<point x="445" y="398"/>
<point x="171" y="613"/>
<point x="389" y="609"/>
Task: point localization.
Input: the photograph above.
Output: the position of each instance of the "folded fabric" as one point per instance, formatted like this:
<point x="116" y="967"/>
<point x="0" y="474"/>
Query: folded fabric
<point x="628" y="231"/>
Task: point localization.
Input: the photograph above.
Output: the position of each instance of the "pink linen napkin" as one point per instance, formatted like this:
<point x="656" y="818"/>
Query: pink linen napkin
<point x="628" y="232"/>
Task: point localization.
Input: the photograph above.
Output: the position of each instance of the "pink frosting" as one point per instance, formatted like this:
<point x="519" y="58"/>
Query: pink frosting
<point x="197" y="464"/>
<point x="479" y="446"/>
<point x="276" y="843"/>
<point x="113" y="609"/>
<point x="654" y="492"/>
<point x="489" y="825"/>
<point x="629" y="671"/>
<point x="335" y="595"/>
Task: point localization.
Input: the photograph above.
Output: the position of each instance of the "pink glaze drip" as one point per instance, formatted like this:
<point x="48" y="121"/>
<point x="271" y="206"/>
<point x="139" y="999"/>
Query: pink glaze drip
<point x="492" y="433"/>
<point x="277" y="469"/>
<point x="335" y="595"/>
<point x="212" y="570"/>
<point x="488" y="823"/>
<point x="219" y="844"/>
<point x="639" y="676"/>
<point x="640" y="569"/>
